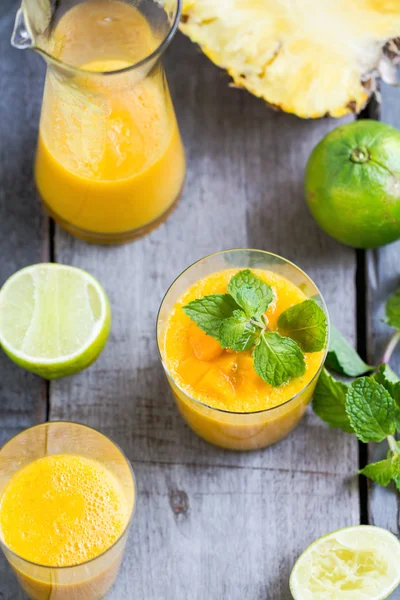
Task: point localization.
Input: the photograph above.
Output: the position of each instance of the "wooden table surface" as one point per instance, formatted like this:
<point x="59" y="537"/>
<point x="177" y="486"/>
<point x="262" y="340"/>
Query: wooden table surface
<point x="210" y="524"/>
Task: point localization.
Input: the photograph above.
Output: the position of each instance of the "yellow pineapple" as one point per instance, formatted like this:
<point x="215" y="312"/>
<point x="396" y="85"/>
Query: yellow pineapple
<point x="307" y="57"/>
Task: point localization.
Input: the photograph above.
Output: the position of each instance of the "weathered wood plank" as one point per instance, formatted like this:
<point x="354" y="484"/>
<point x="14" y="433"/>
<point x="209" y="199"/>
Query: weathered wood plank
<point x="219" y="530"/>
<point x="22" y="227"/>
<point x="244" y="188"/>
<point x="383" y="280"/>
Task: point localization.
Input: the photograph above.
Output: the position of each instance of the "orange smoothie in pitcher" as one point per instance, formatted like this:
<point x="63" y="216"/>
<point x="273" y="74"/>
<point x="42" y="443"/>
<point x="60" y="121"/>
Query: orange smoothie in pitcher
<point x="110" y="162"/>
<point x="62" y="511"/>
<point x="218" y="391"/>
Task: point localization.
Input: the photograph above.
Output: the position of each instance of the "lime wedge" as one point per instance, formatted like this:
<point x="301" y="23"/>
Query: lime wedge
<point x="54" y="319"/>
<point x="355" y="563"/>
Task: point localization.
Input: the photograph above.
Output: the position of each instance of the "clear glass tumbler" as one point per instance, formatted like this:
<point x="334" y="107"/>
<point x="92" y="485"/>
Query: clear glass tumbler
<point x="110" y="163"/>
<point x="233" y="430"/>
<point x="90" y="580"/>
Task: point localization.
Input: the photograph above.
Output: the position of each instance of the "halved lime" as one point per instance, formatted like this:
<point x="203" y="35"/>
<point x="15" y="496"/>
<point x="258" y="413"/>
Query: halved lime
<point x="355" y="563"/>
<point x="54" y="319"/>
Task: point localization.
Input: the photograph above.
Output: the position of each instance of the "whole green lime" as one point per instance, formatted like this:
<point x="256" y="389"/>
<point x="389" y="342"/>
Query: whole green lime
<point x="352" y="184"/>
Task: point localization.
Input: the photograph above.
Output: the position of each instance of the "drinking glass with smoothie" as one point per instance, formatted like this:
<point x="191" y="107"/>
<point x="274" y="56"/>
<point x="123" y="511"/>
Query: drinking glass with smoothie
<point x="67" y="497"/>
<point x="276" y="323"/>
<point x="110" y="163"/>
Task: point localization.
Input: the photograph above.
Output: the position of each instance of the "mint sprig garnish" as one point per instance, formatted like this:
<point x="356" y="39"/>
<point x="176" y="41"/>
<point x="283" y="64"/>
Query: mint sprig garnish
<point x="209" y="312"/>
<point x="237" y="332"/>
<point x="369" y="407"/>
<point x="251" y="293"/>
<point x="238" y="321"/>
<point x="278" y="359"/>
<point x="305" y="323"/>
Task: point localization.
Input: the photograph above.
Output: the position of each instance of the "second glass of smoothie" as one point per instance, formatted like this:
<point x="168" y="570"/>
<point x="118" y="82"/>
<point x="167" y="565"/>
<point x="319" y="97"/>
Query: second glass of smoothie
<point x="67" y="497"/>
<point x="217" y="391"/>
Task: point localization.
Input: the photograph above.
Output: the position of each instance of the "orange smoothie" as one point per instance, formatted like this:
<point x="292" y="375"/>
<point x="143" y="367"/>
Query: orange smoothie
<point x="110" y="162"/>
<point x="62" y="511"/>
<point x="218" y="391"/>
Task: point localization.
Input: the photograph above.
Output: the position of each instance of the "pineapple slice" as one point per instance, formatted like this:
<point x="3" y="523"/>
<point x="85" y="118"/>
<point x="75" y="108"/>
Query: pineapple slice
<point x="308" y="57"/>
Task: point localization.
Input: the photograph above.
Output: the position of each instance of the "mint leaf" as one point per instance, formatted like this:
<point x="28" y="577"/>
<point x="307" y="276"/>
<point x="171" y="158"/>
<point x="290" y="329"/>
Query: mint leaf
<point x="237" y="333"/>
<point x="251" y="293"/>
<point x="396" y="464"/>
<point x="396" y="470"/>
<point x="396" y="480"/>
<point x="329" y="402"/>
<point x="387" y="377"/>
<point x="248" y="300"/>
<point x="306" y="323"/>
<point x="396" y="393"/>
<point x="209" y="312"/>
<point x="385" y="471"/>
<point x="342" y="357"/>
<point x="392" y="310"/>
<point x="381" y="471"/>
<point x="278" y="359"/>
<point x="371" y="409"/>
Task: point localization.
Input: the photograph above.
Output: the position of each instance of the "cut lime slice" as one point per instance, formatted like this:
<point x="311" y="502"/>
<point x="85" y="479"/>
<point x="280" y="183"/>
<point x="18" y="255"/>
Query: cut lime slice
<point x="355" y="563"/>
<point x="54" y="319"/>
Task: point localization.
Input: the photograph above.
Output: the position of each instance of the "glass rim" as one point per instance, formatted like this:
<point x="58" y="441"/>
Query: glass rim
<point x="254" y="412"/>
<point x="156" y="53"/>
<point x="132" y="511"/>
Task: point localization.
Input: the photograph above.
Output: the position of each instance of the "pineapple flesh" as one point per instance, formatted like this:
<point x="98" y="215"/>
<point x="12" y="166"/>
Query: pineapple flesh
<point x="308" y="57"/>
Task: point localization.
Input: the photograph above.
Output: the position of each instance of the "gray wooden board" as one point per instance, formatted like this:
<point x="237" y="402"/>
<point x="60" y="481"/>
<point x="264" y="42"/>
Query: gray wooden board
<point x="250" y="514"/>
<point x="22" y="227"/>
<point x="383" y="280"/>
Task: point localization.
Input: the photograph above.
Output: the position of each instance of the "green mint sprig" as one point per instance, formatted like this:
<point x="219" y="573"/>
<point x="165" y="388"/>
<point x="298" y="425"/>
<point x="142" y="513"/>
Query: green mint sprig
<point x="237" y="332"/>
<point x="342" y="358"/>
<point x="238" y="321"/>
<point x="277" y="359"/>
<point x="306" y="324"/>
<point x="329" y="402"/>
<point x="210" y="311"/>
<point x="388" y="378"/>
<point x="372" y="411"/>
<point x="367" y="409"/>
<point x="251" y="293"/>
<point x="385" y="471"/>
<point x="369" y="406"/>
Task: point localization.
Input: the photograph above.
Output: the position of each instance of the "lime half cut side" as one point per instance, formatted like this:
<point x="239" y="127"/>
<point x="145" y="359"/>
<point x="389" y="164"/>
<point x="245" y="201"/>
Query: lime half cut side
<point x="54" y="319"/>
<point x="355" y="563"/>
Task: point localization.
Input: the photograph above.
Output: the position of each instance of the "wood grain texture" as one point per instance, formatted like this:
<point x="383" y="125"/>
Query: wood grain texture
<point x="213" y="532"/>
<point x="22" y="227"/>
<point x="249" y="515"/>
<point x="383" y="280"/>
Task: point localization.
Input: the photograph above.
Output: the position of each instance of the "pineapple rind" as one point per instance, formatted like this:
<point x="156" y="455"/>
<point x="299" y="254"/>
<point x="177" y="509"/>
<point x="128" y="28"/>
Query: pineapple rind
<point x="306" y="57"/>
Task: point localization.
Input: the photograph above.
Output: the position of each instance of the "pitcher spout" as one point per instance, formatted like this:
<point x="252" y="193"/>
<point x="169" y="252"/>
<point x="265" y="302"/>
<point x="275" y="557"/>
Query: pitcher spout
<point x="32" y="24"/>
<point x="22" y="37"/>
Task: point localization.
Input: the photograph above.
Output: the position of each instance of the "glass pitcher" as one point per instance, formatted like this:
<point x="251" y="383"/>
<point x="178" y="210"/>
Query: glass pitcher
<point x="110" y="163"/>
